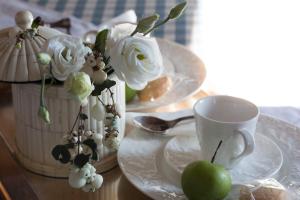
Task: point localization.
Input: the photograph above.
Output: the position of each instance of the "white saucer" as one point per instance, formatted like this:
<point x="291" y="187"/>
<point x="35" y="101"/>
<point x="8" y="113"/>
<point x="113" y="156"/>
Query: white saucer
<point x="264" y="162"/>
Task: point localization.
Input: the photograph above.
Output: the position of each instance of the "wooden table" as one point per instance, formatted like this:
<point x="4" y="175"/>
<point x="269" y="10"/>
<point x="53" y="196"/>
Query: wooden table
<point x="115" y="187"/>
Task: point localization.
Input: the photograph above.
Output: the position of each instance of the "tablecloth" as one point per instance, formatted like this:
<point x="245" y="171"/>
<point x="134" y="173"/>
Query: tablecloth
<point x="99" y="11"/>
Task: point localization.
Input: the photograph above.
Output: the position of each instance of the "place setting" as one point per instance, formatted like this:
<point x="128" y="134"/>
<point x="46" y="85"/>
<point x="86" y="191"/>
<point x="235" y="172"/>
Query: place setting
<point x="252" y="153"/>
<point x="83" y="120"/>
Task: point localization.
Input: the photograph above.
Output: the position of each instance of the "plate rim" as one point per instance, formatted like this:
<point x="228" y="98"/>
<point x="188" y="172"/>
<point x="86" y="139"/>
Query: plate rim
<point x="263" y="118"/>
<point x="260" y="136"/>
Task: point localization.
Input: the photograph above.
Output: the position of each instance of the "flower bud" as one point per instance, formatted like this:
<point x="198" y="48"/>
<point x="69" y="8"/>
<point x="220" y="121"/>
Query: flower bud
<point x="76" y="180"/>
<point x="79" y="86"/>
<point x="94" y="185"/>
<point x="147" y="23"/>
<point x="19" y="45"/>
<point x="44" y="114"/>
<point x="43" y="58"/>
<point x="99" y="77"/>
<point x="177" y="10"/>
<point x="98" y="112"/>
<point x="97" y="183"/>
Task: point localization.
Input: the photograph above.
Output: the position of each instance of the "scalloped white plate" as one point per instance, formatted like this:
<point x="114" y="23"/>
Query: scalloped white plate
<point x="140" y="155"/>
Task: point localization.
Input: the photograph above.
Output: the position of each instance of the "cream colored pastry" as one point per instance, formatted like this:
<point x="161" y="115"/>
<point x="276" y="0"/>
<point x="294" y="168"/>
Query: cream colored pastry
<point x="265" y="191"/>
<point x="155" y="89"/>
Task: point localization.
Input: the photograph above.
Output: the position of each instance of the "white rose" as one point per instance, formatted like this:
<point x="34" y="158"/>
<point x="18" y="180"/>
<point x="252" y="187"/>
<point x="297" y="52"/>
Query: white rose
<point x="79" y="86"/>
<point x="136" y="60"/>
<point x="68" y="55"/>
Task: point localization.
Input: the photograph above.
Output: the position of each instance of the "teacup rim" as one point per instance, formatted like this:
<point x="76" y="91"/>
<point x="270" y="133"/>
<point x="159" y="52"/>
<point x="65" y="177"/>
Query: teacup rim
<point x="257" y="110"/>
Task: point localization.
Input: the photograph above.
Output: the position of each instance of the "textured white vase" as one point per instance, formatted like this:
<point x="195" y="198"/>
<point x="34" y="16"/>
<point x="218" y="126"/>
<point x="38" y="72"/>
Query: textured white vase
<point x="35" y="139"/>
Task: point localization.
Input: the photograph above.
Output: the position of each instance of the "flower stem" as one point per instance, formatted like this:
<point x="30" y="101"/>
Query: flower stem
<point x="111" y="95"/>
<point x="213" y="158"/>
<point x="101" y="101"/>
<point x="133" y="33"/>
<point x="79" y="132"/>
<point x="42" y="93"/>
<point x="80" y="109"/>
<point x="157" y="25"/>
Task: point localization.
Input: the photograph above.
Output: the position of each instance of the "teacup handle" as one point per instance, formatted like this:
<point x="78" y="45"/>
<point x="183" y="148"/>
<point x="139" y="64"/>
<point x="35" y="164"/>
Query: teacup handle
<point x="248" y="141"/>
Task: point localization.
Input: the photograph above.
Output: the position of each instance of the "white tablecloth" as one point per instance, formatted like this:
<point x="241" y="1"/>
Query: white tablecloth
<point x="287" y="114"/>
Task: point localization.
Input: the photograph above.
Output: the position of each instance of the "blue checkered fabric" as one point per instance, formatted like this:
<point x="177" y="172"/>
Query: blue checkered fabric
<point x="98" y="11"/>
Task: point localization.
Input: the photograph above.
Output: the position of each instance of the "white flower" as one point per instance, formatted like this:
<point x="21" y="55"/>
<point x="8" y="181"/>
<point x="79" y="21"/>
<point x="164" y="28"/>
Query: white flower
<point x="79" y="86"/>
<point x="111" y="142"/>
<point x="88" y="133"/>
<point x="97" y="181"/>
<point x="97" y="137"/>
<point x="94" y="185"/>
<point x="90" y="60"/>
<point x="98" y="111"/>
<point x="68" y="55"/>
<point x="76" y="180"/>
<point x="119" y="32"/>
<point x="136" y="60"/>
<point x="79" y="178"/>
<point x="99" y="77"/>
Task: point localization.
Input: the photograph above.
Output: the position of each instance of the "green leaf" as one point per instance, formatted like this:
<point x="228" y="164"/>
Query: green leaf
<point x="81" y="159"/>
<point x="36" y="22"/>
<point x="101" y="41"/>
<point x="70" y="145"/>
<point x="61" y="153"/>
<point x="147" y="23"/>
<point x="95" y="156"/>
<point x="105" y="85"/>
<point x="90" y="143"/>
<point x="177" y="10"/>
<point x="83" y="116"/>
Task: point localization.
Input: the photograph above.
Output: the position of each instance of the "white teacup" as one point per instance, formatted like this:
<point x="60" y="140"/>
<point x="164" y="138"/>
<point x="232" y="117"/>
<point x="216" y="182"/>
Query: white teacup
<point x="230" y="119"/>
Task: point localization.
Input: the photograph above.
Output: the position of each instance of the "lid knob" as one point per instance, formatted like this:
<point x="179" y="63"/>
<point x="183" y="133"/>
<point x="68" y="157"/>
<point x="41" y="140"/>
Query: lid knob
<point x="24" y="19"/>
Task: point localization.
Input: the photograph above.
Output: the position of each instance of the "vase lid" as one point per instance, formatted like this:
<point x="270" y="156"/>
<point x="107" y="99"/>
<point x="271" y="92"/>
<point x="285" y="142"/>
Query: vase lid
<point x="18" y="62"/>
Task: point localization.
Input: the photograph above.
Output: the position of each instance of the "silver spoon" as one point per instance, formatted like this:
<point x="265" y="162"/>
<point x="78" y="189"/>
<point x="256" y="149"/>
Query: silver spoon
<point x="157" y="125"/>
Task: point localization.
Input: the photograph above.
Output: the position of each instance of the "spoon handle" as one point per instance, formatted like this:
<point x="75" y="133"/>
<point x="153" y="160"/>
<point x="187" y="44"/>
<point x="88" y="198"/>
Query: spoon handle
<point x="181" y="119"/>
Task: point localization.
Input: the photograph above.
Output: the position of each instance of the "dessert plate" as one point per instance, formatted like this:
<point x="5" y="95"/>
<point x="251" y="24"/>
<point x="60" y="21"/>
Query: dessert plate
<point x="186" y="71"/>
<point x="140" y="155"/>
<point x="264" y="162"/>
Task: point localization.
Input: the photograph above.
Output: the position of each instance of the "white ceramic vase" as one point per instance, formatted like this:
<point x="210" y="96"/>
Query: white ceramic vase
<point x="35" y="139"/>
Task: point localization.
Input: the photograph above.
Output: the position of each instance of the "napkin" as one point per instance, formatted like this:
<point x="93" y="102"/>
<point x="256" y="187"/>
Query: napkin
<point x="8" y="9"/>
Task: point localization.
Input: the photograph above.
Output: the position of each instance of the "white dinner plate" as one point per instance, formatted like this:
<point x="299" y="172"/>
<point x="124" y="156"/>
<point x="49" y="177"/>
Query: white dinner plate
<point x="264" y="162"/>
<point x="140" y="156"/>
<point x="186" y="71"/>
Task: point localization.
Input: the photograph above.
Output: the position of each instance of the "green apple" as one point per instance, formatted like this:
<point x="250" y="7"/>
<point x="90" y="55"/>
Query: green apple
<point x="130" y="93"/>
<point x="202" y="180"/>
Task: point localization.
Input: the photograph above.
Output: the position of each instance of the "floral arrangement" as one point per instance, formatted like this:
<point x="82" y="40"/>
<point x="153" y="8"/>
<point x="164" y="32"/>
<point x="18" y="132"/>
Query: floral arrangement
<point x="85" y="70"/>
